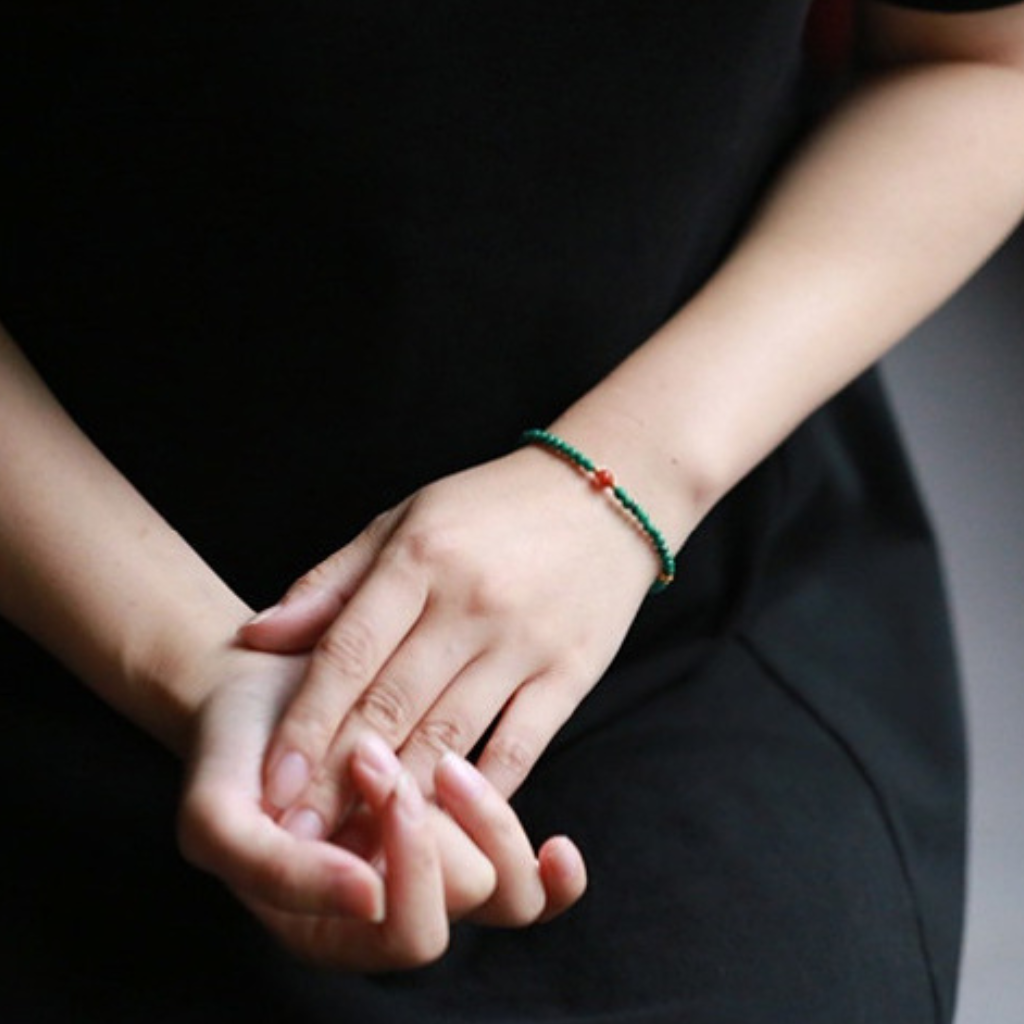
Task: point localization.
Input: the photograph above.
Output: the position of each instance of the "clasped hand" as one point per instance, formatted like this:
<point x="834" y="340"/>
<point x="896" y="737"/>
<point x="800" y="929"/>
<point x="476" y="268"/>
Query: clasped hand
<point x="381" y="893"/>
<point x="493" y="599"/>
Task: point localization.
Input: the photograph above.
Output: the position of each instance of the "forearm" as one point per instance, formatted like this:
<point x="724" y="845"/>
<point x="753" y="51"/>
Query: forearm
<point x="890" y="206"/>
<point x="92" y="572"/>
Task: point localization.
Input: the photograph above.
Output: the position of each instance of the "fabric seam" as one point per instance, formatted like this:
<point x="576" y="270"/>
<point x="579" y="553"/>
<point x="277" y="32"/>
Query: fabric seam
<point x="766" y="664"/>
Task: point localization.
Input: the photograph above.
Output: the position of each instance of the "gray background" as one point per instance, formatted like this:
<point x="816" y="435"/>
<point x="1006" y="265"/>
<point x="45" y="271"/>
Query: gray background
<point x="958" y="383"/>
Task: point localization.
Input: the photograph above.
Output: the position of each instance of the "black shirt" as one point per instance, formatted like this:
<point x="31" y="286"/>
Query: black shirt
<point x="286" y="262"/>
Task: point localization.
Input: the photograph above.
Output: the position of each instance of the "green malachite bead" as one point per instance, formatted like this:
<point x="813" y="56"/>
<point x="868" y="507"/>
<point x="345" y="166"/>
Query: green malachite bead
<point x="554" y="443"/>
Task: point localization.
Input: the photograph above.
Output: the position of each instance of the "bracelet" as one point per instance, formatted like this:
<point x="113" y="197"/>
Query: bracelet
<point x="603" y="480"/>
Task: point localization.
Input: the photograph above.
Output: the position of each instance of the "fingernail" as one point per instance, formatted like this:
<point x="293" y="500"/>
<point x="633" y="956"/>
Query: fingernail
<point x="378" y="756"/>
<point x="466" y="777"/>
<point x="287" y="780"/>
<point x="263" y="616"/>
<point x="409" y="799"/>
<point x="304" y="824"/>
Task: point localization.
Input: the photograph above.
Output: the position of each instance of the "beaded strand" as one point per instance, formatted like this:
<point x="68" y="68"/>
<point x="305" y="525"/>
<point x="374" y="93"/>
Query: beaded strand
<point x="602" y="479"/>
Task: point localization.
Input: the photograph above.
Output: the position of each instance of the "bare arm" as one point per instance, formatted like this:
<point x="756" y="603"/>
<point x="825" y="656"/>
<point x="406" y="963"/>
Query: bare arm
<point x="892" y="204"/>
<point x="91" y="570"/>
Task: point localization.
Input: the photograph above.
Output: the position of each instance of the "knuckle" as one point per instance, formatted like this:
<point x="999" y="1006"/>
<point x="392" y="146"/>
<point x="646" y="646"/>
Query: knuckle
<point x="550" y="637"/>
<point x="349" y="649"/>
<point x="308" y="732"/>
<point x="331" y="791"/>
<point x="379" y="527"/>
<point x="429" y="545"/>
<point x="503" y="827"/>
<point x="386" y="708"/>
<point x="438" y="735"/>
<point x="576" y="673"/>
<point x="308" y="728"/>
<point x="492" y="596"/>
<point x="512" y="756"/>
<point x="314" y="580"/>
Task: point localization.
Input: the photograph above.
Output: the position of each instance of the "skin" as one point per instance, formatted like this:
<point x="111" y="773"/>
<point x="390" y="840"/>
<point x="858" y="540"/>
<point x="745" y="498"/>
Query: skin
<point x="473" y="861"/>
<point x="410" y="631"/>
<point x="92" y="571"/>
<point x="418" y="633"/>
<point x="488" y="868"/>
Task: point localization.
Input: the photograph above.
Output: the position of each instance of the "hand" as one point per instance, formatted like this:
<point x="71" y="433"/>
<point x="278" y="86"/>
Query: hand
<point x="386" y="902"/>
<point x="500" y="593"/>
<point x="416" y="925"/>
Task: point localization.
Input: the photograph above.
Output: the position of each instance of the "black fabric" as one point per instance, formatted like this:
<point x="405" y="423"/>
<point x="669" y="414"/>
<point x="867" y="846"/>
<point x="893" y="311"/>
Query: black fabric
<point x="743" y="868"/>
<point x="287" y="262"/>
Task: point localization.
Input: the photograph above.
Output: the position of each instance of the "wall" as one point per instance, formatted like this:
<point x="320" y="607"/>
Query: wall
<point x="959" y="389"/>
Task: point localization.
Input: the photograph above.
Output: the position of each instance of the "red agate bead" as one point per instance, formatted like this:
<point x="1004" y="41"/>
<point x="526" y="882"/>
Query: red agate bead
<point x="602" y="479"/>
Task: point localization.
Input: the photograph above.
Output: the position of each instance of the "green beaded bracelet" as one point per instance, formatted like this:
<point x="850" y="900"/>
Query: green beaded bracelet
<point x="603" y="480"/>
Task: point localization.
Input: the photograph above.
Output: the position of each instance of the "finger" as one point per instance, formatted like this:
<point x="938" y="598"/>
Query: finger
<point x="375" y="770"/>
<point x="236" y="840"/>
<point x="490" y="822"/>
<point x="415" y="928"/>
<point x="538" y="710"/>
<point x="346" y="660"/>
<point x="224" y="827"/>
<point x="563" y="874"/>
<point x="360" y="834"/>
<point x="469" y="877"/>
<point x="462" y="713"/>
<point x="316" y="599"/>
<point x="390" y="706"/>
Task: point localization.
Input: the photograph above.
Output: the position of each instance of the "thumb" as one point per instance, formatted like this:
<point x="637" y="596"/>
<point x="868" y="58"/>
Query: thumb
<point x="316" y="599"/>
<point x="294" y="624"/>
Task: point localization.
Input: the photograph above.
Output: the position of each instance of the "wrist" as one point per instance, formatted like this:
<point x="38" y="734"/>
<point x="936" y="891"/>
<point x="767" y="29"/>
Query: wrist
<point x="603" y="481"/>
<point x="171" y="673"/>
<point x="674" y="494"/>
